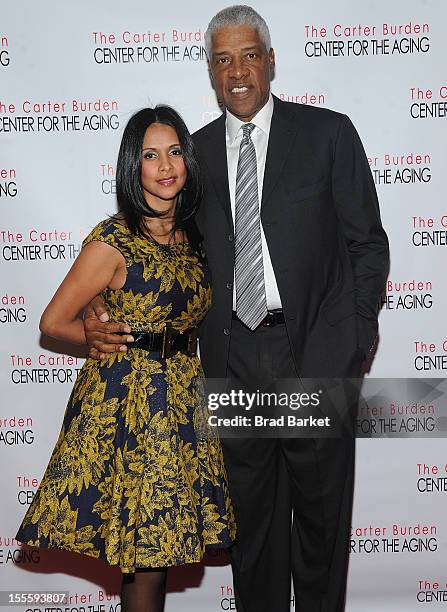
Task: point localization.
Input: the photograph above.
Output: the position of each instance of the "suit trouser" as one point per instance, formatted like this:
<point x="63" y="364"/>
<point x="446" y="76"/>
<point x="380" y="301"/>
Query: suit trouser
<point x="270" y="477"/>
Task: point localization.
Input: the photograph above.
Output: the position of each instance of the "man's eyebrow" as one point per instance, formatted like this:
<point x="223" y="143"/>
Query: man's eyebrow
<point x="250" y="48"/>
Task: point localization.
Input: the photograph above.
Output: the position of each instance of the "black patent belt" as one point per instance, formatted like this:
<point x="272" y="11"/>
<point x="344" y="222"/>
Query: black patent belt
<point x="166" y="342"/>
<point x="274" y="317"/>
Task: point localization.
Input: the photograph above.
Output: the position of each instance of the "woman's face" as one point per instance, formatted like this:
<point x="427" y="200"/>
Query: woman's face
<point x="163" y="171"/>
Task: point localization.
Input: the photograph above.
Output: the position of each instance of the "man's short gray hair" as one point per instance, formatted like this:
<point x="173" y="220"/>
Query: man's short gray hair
<point x="237" y="15"/>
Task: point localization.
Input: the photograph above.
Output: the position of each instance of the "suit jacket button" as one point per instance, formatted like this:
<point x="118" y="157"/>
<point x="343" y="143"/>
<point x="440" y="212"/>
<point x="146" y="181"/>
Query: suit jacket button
<point x="229" y="285"/>
<point x="230" y="237"/>
<point x="226" y="331"/>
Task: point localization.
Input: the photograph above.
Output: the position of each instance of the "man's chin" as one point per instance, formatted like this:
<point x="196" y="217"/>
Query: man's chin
<point x="243" y="110"/>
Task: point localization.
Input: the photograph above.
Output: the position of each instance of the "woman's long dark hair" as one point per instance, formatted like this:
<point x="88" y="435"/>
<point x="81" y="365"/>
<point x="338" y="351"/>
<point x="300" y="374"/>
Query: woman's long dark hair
<point x="131" y="201"/>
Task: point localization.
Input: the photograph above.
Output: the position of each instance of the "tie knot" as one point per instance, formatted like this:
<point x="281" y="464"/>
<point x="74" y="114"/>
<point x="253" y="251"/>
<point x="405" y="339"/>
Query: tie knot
<point x="247" y="129"/>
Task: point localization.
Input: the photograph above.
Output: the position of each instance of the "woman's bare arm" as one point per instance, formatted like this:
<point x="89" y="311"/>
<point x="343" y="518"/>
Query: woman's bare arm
<point x="96" y="267"/>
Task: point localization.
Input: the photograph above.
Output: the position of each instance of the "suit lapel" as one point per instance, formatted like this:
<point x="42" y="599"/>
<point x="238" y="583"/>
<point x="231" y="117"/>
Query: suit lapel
<point x="216" y="159"/>
<point x="282" y="134"/>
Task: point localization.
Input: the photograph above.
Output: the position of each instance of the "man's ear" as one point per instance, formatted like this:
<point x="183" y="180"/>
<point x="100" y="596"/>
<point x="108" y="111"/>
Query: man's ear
<point x="272" y="64"/>
<point x="210" y="74"/>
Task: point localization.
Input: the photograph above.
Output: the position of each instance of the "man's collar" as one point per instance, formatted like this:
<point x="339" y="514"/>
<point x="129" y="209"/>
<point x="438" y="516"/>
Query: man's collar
<point x="262" y="120"/>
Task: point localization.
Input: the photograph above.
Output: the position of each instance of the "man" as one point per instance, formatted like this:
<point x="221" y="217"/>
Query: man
<point x="298" y="258"/>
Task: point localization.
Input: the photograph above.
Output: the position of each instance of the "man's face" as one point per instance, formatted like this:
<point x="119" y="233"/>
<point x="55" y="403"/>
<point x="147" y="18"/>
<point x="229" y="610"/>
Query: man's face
<point x="241" y="68"/>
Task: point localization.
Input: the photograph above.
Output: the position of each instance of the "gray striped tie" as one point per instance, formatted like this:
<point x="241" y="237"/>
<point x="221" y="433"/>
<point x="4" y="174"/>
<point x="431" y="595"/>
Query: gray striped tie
<point x="251" y="304"/>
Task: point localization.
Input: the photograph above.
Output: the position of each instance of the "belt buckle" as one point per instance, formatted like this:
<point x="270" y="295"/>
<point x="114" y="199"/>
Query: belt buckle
<point x="166" y="343"/>
<point x="192" y="343"/>
<point x="269" y="320"/>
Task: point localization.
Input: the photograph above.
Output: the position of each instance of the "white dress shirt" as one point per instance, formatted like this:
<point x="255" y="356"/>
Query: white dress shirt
<point x="260" y="138"/>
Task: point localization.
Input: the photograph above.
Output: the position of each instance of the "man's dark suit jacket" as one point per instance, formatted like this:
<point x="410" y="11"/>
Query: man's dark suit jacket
<point x="329" y="252"/>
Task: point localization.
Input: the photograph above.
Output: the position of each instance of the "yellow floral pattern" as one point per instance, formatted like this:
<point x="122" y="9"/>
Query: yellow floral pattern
<point x="135" y="478"/>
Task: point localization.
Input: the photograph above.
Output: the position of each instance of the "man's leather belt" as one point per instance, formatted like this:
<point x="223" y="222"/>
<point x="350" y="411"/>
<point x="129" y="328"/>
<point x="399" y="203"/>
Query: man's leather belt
<point x="274" y="317"/>
<point x="166" y="342"/>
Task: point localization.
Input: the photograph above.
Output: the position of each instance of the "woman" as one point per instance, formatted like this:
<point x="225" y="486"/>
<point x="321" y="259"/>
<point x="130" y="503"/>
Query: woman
<point x="134" y="479"/>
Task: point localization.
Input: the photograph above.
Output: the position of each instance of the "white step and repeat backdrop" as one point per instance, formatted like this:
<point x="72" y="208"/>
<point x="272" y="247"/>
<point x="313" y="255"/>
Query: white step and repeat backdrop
<point x="71" y="74"/>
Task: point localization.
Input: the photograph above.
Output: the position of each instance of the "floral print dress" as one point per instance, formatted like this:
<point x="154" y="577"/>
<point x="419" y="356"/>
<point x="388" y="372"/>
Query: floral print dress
<point x="135" y="479"/>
